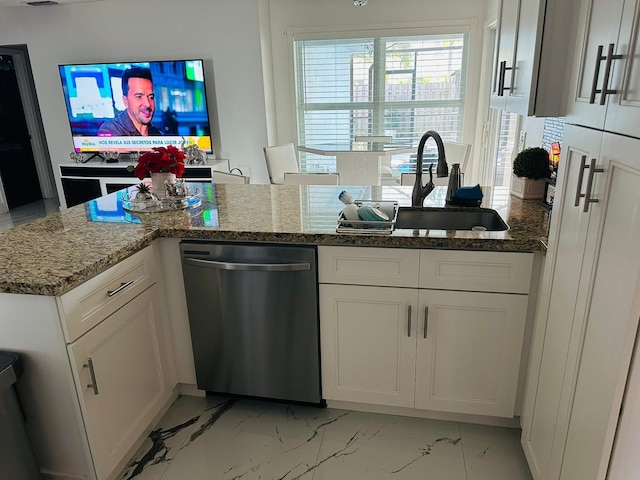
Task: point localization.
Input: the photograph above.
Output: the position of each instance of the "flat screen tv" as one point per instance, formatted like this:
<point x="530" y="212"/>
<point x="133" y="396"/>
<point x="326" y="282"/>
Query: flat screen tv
<point x="130" y="107"/>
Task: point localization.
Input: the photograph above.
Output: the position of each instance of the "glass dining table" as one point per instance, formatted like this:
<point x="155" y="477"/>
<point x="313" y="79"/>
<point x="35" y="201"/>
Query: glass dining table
<point x="359" y="163"/>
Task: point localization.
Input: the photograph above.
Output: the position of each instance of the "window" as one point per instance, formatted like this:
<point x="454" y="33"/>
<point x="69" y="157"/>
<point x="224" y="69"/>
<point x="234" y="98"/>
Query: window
<point x="400" y="86"/>
<point x="500" y="144"/>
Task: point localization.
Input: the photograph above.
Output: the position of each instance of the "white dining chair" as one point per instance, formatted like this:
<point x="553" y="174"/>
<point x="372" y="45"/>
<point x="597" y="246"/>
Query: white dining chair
<point x="280" y="159"/>
<point x="311" y="178"/>
<point x="223" y="177"/>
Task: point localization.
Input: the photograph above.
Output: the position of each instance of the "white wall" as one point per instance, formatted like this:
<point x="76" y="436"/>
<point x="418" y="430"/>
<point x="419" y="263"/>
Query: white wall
<point x="225" y="33"/>
<point x="286" y="14"/>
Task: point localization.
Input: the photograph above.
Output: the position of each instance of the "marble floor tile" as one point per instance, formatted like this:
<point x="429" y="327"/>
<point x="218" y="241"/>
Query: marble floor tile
<point x="493" y="453"/>
<point x="371" y="446"/>
<point x="254" y="440"/>
<point x="219" y="438"/>
<point x="160" y="448"/>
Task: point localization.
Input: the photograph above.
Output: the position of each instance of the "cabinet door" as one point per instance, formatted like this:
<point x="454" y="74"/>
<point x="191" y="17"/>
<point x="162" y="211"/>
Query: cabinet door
<point x="623" y="111"/>
<point x="468" y="353"/>
<point x="612" y="321"/>
<point x="80" y="190"/>
<point x="598" y="26"/>
<point x="508" y="14"/>
<point x="368" y="343"/>
<point x="561" y="310"/>
<point x="521" y="95"/>
<point x="120" y="379"/>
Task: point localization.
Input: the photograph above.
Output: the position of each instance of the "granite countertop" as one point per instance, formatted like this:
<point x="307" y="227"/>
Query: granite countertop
<point x="53" y="254"/>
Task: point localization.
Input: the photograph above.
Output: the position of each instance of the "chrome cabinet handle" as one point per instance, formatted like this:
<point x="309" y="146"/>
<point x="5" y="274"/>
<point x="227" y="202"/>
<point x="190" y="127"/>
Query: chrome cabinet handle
<point x="409" y="321"/>
<point x="583" y="165"/>
<point x="92" y="373"/>
<point x="607" y="73"/>
<point x="123" y="285"/>
<point x="501" y="77"/>
<point x="587" y="196"/>
<point x="604" y="91"/>
<point x="596" y="74"/>
<point x="426" y="320"/>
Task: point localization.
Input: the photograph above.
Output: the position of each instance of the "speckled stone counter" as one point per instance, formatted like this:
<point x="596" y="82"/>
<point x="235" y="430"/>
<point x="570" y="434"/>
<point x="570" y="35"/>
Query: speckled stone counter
<point x="52" y="255"/>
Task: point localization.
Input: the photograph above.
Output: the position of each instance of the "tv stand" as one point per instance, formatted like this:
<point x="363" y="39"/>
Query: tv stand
<point x="82" y="182"/>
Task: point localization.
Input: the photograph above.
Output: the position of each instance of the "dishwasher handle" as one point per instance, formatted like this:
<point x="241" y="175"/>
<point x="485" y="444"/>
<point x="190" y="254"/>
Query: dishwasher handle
<point x="263" y="267"/>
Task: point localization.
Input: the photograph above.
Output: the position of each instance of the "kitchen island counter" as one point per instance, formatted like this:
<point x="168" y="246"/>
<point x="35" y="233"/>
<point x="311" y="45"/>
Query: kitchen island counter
<point x="54" y="254"/>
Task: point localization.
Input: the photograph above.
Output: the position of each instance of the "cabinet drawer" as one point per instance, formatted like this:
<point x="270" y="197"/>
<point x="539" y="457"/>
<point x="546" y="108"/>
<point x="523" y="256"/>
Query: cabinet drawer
<point x="88" y="304"/>
<point x="500" y="272"/>
<point x="368" y="266"/>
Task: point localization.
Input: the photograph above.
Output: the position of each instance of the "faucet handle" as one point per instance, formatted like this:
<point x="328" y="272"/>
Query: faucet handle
<point x="428" y="188"/>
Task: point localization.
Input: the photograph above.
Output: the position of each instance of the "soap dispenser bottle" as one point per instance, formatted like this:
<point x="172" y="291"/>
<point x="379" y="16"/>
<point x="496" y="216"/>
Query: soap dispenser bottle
<point x="455" y="182"/>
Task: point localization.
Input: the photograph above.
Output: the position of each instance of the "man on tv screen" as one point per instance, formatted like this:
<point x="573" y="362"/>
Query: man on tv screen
<point x="140" y="103"/>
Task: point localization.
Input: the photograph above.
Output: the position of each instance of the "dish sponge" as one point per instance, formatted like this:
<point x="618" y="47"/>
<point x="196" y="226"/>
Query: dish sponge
<point x="469" y="193"/>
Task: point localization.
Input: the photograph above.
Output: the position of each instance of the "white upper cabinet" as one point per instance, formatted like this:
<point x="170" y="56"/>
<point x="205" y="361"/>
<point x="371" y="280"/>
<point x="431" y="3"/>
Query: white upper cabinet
<point x="529" y="73"/>
<point x="605" y="92"/>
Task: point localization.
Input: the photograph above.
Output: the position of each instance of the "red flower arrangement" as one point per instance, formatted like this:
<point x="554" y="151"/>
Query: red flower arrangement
<point x="160" y="159"/>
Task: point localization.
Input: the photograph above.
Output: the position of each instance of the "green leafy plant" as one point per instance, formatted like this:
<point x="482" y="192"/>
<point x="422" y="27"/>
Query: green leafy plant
<point x="532" y="163"/>
<point x="143" y="188"/>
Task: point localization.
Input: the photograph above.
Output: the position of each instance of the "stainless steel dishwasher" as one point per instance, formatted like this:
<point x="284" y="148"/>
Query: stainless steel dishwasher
<point x="253" y="312"/>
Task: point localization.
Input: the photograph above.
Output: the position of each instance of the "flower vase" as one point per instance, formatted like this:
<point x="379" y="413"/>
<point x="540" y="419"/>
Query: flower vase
<point x="158" y="182"/>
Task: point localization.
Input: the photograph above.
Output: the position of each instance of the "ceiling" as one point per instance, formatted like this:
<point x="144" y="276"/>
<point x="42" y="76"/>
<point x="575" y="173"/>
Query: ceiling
<point x="23" y="3"/>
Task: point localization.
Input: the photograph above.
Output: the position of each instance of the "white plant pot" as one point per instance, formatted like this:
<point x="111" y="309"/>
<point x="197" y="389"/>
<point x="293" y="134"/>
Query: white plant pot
<point x="157" y="182"/>
<point x="526" y="188"/>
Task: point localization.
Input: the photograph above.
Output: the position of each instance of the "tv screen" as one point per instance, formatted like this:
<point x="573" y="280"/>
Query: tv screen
<point x="130" y="107"/>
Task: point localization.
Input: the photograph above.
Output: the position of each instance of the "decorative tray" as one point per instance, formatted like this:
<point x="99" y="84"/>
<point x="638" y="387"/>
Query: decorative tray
<point x="370" y="227"/>
<point x="166" y="204"/>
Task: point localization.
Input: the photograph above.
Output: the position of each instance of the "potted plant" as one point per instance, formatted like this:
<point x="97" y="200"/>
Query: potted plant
<point x="530" y="168"/>
<point x="163" y="164"/>
<point x="144" y="198"/>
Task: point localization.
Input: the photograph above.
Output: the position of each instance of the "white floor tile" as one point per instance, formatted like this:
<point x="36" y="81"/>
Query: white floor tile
<point x="157" y="452"/>
<point x="218" y="438"/>
<point x="492" y="453"/>
<point x="253" y="440"/>
<point x="370" y="446"/>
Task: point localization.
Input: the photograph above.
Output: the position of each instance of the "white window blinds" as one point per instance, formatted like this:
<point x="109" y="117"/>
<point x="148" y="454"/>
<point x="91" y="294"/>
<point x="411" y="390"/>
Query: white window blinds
<point x="400" y="86"/>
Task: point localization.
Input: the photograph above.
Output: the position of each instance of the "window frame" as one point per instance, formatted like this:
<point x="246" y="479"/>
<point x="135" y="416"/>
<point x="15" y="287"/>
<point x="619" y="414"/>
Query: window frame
<point x="467" y="27"/>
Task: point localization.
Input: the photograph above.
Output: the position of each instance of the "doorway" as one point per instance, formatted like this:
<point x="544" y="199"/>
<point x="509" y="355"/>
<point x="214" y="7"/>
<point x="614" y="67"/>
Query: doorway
<point x="26" y="175"/>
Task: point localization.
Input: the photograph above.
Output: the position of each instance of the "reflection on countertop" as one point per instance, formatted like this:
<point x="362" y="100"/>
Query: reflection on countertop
<point x="53" y="254"/>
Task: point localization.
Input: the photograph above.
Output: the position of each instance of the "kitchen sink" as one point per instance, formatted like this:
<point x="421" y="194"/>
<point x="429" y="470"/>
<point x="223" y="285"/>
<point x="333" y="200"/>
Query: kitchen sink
<point x="482" y="219"/>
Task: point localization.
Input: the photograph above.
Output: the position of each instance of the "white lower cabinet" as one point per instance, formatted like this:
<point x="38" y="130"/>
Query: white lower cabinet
<point x="440" y="350"/>
<point x="120" y="379"/>
<point x="99" y="367"/>
<point x="468" y="354"/>
<point x="587" y="332"/>
<point x="368" y="344"/>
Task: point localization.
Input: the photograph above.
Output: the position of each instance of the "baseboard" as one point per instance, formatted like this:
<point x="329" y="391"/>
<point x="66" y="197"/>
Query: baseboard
<point x="412" y="412"/>
<point x="190" y="390"/>
<point x="46" y="475"/>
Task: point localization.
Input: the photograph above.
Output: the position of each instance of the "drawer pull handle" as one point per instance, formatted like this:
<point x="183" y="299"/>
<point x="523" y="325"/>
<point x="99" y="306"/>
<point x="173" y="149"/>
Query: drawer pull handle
<point x="92" y="373"/>
<point x="583" y="166"/>
<point x="426" y="320"/>
<point x="123" y="285"/>
<point x="409" y="321"/>
<point x="587" y="196"/>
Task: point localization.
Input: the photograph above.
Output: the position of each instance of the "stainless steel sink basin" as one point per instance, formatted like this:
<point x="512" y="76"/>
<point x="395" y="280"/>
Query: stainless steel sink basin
<point x="482" y="219"/>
